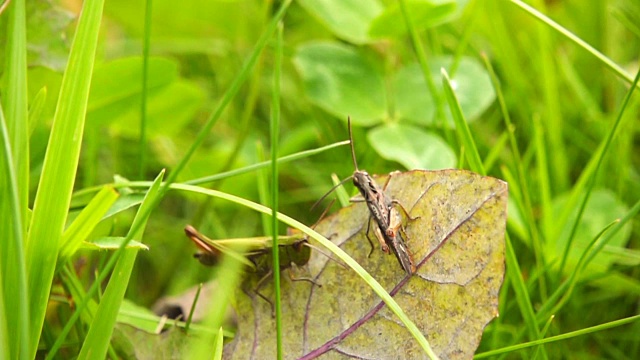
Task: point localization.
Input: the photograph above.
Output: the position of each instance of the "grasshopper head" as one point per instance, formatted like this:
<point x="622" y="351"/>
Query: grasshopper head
<point x="363" y="181"/>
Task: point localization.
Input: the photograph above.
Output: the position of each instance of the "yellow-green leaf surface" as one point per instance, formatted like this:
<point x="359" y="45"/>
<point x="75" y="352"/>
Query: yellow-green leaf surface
<point x="458" y="248"/>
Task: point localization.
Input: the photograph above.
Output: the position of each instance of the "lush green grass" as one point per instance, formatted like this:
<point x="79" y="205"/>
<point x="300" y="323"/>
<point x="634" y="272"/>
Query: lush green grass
<point x="540" y="95"/>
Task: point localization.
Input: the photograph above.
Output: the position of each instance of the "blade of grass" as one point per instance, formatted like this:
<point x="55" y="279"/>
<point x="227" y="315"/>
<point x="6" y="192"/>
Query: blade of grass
<point x="15" y="102"/>
<point x="262" y="183"/>
<point x="192" y="310"/>
<point x="228" y="174"/>
<point x="263" y="164"/>
<point x="552" y="114"/>
<point x="424" y="64"/>
<point x="569" y="35"/>
<point x="60" y="166"/>
<point x="145" y="88"/>
<point x="526" y="207"/>
<point x="544" y="187"/>
<point x="13" y="279"/>
<point x="35" y="110"/>
<point x="373" y="283"/>
<point x="275" y="126"/>
<point x="520" y="288"/>
<point x="217" y="353"/>
<point x="599" y="156"/>
<point x="86" y="221"/>
<point x="565" y="336"/>
<point x="462" y="128"/>
<point x="341" y="192"/>
<point x="99" y="336"/>
<point x="15" y="202"/>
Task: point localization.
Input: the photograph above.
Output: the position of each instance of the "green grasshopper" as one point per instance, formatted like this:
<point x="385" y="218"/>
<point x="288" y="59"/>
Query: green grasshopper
<point x="389" y="230"/>
<point x="293" y="249"/>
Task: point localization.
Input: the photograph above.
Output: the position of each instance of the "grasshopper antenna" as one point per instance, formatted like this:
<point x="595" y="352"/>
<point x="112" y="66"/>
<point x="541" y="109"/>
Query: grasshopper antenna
<point x="329" y="192"/>
<point x="355" y="164"/>
<point x="353" y="152"/>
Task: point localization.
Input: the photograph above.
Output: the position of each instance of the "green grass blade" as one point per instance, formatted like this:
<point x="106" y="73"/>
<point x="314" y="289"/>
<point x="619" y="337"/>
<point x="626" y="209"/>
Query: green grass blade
<point x="145" y="89"/>
<point x="424" y="65"/>
<point x="13" y="273"/>
<point x="83" y="225"/>
<point x="15" y="183"/>
<point x="526" y="206"/>
<point x="15" y="100"/>
<point x="262" y="183"/>
<point x="217" y="353"/>
<point x="566" y="336"/>
<point x="599" y="159"/>
<point x="275" y="125"/>
<point x="264" y="164"/>
<point x="97" y="340"/>
<point x="520" y="288"/>
<point x="569" y="35"/>
<point x="36" y="108"/>
<point x="462" y="128"/>
<point x="60" y="165"/>
<point x="228" y="174"/>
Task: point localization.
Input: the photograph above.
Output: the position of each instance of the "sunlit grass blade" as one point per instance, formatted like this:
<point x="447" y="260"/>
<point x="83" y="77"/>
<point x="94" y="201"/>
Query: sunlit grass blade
<point x="99" y="336"/>
<point x="36" y="110"/>
<point x="561" y="337"/>
<point x="231" y="173"/>
<point x="217" y="350"/>
<point x="424" y="64"/>
<point x="142" y="153"/>
<point x="264" y="164"/>
<point x="569" y="35"/>
<point x="524" y="196"/>
<point x="13" y="274"/>
<point x="462" y="128"/>
<point x="83" y="225"/>
<point x="341" y="192"/>
<point x="60" y="166"/>
<point x="15" y="102"/>
<point x="275" y="132"/>
<point x="520" y="288"/>
<point x="15" y="184"/>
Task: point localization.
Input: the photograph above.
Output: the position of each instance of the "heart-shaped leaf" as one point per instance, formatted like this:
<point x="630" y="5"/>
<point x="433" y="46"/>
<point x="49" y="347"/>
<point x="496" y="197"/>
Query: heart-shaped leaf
<point x="458" y="248"/>
<point x="424" y="14"/>
<point x="347" y="19"/>
<point x="415" y="103"/>
<point x="411" y="147"/>
<point x="342" y="81"/>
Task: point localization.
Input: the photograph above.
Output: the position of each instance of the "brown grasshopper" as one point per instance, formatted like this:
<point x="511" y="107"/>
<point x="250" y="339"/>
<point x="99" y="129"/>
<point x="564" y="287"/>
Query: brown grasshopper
<point x="389" y="230"/>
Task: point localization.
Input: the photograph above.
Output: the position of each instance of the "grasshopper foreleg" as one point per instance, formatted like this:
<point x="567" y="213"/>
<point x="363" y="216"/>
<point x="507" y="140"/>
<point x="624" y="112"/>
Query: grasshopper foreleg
<point x="376" y="232"/>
